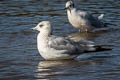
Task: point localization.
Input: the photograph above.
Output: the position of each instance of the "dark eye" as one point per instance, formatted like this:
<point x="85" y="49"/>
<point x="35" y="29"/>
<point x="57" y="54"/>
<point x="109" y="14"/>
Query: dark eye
<point x="41" y="25"/>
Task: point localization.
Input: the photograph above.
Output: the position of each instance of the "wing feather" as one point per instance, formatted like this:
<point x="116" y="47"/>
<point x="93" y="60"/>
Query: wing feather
<point x="70" y="46"/>
<point x="89" y="19"/>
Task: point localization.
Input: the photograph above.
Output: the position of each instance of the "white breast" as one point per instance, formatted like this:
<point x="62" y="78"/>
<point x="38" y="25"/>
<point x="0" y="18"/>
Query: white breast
<point x="74" y="19"/>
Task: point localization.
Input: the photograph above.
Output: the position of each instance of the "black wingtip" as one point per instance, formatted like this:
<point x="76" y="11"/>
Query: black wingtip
<point x="102" y="48"/>
<point x="99" y="49"/>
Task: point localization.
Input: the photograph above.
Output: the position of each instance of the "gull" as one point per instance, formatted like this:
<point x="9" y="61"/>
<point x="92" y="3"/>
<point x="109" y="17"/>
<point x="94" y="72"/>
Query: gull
<point x="53" y="47"/>
<point x="82" y="20"/>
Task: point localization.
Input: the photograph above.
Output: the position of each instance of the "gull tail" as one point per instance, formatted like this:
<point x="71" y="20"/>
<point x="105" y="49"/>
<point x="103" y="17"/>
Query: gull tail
<point x="101" y="17"/>
<point x="98" y="48"/>
<point x="105" y="24"/>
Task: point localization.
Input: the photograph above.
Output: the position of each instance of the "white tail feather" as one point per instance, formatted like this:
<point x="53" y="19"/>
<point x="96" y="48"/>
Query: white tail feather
<point x="101" y="17"/>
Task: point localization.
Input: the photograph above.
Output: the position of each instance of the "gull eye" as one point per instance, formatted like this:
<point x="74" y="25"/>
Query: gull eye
<point x="41" y="26"/>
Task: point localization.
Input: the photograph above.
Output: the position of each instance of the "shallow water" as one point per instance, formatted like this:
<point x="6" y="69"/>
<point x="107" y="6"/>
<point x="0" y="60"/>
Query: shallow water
<point x="20" y="60"/>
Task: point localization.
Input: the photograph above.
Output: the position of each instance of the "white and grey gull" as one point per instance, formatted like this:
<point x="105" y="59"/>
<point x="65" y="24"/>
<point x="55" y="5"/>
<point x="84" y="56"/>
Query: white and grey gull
<point x="82" y="20"/>
<point x="53" y="47"/>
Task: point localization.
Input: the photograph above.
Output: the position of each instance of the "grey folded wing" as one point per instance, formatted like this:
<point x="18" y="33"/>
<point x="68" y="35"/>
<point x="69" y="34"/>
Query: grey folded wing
<point x="63" y="43"/>
<point x="90" y="20"/>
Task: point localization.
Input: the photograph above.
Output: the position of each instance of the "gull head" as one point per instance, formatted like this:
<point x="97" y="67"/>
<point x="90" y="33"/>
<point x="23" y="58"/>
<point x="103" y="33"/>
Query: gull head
<point x="69" y="4"/>
<point x="43" y="27"/>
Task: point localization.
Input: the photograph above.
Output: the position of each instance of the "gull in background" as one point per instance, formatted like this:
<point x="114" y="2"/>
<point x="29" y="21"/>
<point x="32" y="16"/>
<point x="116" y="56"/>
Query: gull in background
<point x="82" y="20"/>
<point x="53" y="47"/>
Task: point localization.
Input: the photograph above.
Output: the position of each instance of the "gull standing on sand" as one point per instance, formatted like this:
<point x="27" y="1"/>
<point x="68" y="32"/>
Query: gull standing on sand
<point x="53" y="47"/>
<point x="82" y="20"/>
